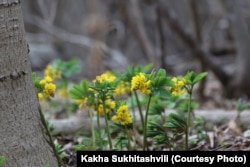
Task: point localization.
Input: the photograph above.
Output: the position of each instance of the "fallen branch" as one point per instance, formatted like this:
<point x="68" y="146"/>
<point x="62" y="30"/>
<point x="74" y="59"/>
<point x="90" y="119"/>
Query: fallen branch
<point x="75" y="123"/>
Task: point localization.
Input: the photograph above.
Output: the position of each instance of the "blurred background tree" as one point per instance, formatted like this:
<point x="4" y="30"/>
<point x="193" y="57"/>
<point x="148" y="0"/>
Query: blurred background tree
<point x="202" y="35"/>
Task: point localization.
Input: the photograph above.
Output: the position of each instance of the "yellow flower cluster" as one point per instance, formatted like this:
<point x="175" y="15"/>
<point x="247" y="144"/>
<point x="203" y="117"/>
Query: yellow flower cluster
<point x="48" y="88"/>
<point x="82" y="102"/>
<point x="107" y="76"/>
<point x="47" y="83"/>
<point x="52" y="72"/>
<point x="122" y="88"/>
<point x="109" y="106"/>
<point x="178" y="89"/>
<point x="122" y="115"/>
<point x="140" y="82"/>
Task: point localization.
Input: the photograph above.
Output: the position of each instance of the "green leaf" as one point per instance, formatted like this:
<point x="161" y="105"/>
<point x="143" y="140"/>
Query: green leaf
<point x="176" y="121"/>
<point x="161" y="73"/>
<point x="199" y="77"/>
<point x="183" y="105"/>
<point x="2" y="160"/>
<point x="170" y="124"/>
<point x="68" y="68"/>
<point x="241" y="105"/>
<point x="121" y="142"/>
<point x="178" y="117"/>
<point x="153" y="126"/>
<point x="190" y="77"/>
<point x="160" y="81"/>
<point x="156" y="109"/>
<point x="75" y="94"/>
<point x="79" y="91"/>
<point x="193" y="78"/>
<point x="46" y="165"/>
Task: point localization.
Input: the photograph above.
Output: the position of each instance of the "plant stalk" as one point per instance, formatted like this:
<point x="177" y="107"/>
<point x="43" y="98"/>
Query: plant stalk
<point x="188" y="117"/>
<point x="106" y="122"/>
<point x="145" y="125"/>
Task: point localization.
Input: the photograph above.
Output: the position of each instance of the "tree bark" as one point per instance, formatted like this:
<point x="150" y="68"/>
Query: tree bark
<point x="23" y="137"/>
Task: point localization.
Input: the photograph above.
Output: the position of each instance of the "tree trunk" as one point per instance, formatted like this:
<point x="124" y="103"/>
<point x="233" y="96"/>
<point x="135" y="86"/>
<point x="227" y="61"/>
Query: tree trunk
<point x="240" y="30"/>
<point x="23" y="137"/>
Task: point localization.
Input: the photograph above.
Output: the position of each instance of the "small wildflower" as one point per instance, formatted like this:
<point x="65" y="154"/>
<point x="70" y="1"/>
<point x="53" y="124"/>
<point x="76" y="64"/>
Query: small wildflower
<point x="109" y="104"/>
<point x="140" y="82"/>
<point x="52" y="72"/>
<point x="179" y="82"/>
<point x="42" y="82"/>
<point x="122" y="116"/>
<point x="82" y="102"/>
<point x="49" y="89"/>
<point x="178" y="89"/>
<point x="40" y="96"/>
<point x="107" y="76"/>
<point x="48" y="79"/>
<point x="122" y="88"/>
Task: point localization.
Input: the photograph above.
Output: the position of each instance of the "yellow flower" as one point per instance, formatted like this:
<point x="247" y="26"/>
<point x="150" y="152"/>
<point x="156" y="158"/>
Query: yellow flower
<point x="49" y="89"/>
<point x="179" y="82"/>
<point x="107" y="76"/>
<point x="52" y="72"/>
<point x="42" y="82"/>
<point x="122" y="116"/>
<point x="140" y="82"/>
<point x="48" y="79"/>
<point x="40" y="96"/>
<point x="122" y="88"/>
<point x="100" y="110"/>
<point x="82" y="102"/>
<point x="110" y="105"/>
<point x="178" y="89"/>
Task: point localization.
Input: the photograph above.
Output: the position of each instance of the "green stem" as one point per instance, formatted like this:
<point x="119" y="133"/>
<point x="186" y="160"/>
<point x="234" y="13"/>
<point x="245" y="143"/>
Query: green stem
<point x="106" y="122"/>
<point x="126" y="132"/>
<point x="50" y="140"/>
<point x="188" y="116"/>
<point x="92" y="128"/>
<point x="140" y="110"/>
<point x="133" y="109"/>
<point x="99" y="128"/>
<point x="145" y="125"/>
<point x="134" y="114"/>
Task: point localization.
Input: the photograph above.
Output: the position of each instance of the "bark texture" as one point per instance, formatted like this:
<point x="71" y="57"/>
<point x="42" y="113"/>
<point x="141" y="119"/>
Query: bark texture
<point x="23" y="139"/>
